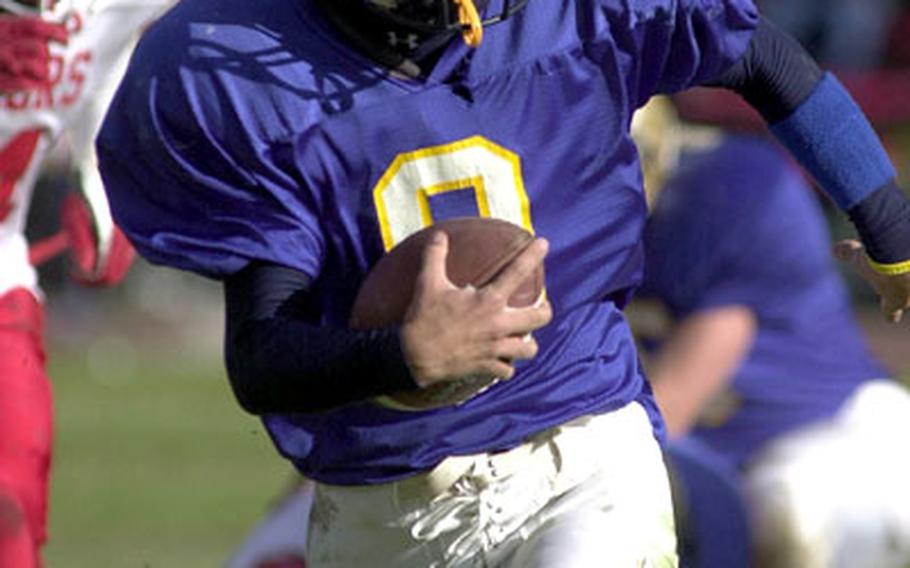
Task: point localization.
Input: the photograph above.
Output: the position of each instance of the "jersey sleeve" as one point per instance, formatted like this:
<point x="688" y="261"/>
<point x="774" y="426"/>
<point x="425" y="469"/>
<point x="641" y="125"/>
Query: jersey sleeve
<point x="194" y="178"/>
<point x="723" y="235"/>
<point x="684" y="43"/>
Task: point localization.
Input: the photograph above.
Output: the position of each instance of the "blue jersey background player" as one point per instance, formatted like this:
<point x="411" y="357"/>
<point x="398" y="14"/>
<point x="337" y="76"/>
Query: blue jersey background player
<point x="763" y="367"/>
<point x="285" y="146"/>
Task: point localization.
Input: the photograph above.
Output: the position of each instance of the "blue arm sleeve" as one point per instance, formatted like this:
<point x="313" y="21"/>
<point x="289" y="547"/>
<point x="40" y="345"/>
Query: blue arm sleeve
<point x="280" y="360"/>
<point x="833" y="140"/>
<point x="812" y="115"/>
<point x="831" y="137"/>
<point x="817" y="120"/>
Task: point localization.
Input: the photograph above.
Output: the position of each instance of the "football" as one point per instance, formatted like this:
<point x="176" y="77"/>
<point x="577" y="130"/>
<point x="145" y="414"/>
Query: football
<point x="479" y="248"/>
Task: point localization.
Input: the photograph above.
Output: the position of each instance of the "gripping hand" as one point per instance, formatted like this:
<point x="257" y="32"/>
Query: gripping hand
<point x="451" y="332"/>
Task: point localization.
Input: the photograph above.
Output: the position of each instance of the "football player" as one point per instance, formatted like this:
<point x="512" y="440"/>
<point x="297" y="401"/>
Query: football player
<point x="761" y="364"/>
<point x="57" y="59"/>
<point x="283" y="146"/>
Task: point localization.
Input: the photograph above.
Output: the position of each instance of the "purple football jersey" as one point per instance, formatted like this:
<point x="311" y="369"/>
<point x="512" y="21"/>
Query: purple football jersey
<point x="250" y="130"/>
<point x="738" y="225"/>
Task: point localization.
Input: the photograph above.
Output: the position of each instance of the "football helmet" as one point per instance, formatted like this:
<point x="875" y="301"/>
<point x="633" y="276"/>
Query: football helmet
<point x="431" y="17"/>
<point x="661" y="137"/>
<point x="655" y="130"/>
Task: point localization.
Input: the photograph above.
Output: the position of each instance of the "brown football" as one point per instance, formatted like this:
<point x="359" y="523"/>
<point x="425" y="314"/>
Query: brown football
<point x="479" y="248"/>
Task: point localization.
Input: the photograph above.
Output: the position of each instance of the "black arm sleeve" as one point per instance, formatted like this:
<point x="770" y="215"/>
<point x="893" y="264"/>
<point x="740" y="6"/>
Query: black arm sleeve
<point x="882" y="220"/>
<point x="279" y="360"/>
<point x="775" y="75"/>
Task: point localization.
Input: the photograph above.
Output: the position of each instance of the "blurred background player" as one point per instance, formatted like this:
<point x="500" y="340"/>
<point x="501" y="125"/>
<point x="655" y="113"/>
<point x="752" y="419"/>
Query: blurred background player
<point x="58" y="63"/>
<point x="761" y="369"/>
<point x="283" y="148"/>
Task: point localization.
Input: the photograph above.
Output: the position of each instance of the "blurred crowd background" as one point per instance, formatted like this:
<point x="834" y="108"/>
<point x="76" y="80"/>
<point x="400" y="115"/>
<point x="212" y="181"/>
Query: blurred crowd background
<point x="155" y="465"/>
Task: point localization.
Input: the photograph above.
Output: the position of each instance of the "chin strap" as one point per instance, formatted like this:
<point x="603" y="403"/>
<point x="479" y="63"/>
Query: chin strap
<point x="472" y="32"/>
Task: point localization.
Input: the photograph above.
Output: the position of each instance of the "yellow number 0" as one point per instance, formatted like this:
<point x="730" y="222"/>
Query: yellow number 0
<point x="402" y="195"/>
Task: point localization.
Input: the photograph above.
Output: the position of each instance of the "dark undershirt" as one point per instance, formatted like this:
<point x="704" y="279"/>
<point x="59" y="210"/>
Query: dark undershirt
<point x="279" y="359"/>
<point x="774" y="76"/>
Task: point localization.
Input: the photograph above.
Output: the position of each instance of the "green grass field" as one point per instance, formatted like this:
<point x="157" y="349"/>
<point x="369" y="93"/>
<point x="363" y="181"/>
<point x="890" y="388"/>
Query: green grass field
<point x="155" y="465"/>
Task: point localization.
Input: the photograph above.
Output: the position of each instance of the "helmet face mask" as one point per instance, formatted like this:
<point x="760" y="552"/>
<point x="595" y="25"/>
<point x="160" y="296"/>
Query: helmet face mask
<point x="420" y="15"/>
<point x="432" y="16"/>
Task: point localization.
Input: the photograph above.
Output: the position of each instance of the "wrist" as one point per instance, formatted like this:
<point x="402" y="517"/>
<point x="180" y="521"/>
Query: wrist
<point x="882" y="220"/>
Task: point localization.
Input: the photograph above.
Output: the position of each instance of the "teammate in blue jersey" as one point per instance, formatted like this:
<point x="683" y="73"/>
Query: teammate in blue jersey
<point x="761" y="363"/>
<point x="283" y="146"/>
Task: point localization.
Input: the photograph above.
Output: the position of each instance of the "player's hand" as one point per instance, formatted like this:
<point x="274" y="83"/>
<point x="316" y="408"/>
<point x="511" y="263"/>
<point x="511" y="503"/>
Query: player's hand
<point x="94" y="261"/>
<point x="25" y="53"/>
<point x="893" y="291"/>
<point x="450" y="333"/>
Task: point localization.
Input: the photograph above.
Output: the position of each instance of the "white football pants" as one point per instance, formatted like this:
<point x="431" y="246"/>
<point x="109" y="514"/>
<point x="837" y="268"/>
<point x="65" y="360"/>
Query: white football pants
<point x="593" y="492"/>
<point x="837" y="494"/>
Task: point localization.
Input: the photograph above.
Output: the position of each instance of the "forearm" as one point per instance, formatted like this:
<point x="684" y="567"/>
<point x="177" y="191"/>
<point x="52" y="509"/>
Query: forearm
<point x="282" y="365"/>
<point x="279" y="361"/>
<point x="680" y="396"/>
<point x="882" y="220"/>
<point x="821" y="125"/>
<point x="698" y="361"/>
